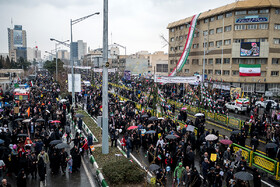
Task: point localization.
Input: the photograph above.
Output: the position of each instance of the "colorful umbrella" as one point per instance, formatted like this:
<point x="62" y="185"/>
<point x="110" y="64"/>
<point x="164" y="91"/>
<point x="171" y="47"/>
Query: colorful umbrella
<point x="226" y="142"/>
<point x="132" y="127"/>
<point x="55" y="121"/>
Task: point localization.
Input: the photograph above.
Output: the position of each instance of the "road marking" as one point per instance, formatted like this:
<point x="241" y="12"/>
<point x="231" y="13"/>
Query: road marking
<point x="87" y="173"/>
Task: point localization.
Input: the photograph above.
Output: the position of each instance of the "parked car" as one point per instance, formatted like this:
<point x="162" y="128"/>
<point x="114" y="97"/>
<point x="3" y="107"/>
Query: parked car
<point x="233" y="106"/>
<point x="263" y="104"/>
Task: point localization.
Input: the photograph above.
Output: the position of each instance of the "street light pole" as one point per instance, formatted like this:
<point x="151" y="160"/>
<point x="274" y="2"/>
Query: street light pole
<point x="56" y="62"/>
<point x="105" y="145"/>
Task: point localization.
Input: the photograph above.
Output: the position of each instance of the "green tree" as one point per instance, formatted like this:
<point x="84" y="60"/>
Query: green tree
<point x="51" y="66"/>
<point x="22" y="63"/>
<point x="2" y="62"/>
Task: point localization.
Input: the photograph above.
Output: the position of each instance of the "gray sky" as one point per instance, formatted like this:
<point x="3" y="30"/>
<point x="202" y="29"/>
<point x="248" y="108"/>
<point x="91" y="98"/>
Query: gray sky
<point x="136" y="24"/>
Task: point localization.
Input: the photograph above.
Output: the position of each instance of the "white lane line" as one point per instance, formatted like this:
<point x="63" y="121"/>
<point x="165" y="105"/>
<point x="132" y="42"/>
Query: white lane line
<point x="267" y="183"/>
<point x="87" y="173"/>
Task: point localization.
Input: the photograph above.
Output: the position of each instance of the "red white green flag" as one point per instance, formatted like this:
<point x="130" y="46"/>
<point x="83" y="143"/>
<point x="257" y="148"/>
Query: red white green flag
<point x="249" y="70"/>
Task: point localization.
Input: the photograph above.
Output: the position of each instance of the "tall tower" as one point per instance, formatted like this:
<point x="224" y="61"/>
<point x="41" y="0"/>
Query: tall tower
<point x="17" y="43"/>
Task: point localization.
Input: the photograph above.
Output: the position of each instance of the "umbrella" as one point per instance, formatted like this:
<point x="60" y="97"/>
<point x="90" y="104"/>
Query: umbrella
<point x="153" y="118"/>
<point x="199" y="115"/>
<point x="26" y="120"/>
<point x="40" y="120"/>
<point x="63" y="100"/>
<point x="245" y="176"/>
<point x="151" y="132"/>
<point x="132" y="127"/>
<point x="170" y="136"/>
<point x="144" y="116"/>
<point x="211" y="137"/>
<point x="1" y="141"/>
<point x="161" y="118"/>
<point x="18" y="119"/>
<point x="226" y="142"/>
<point x="149" y="126"/>
<point x="79" y="115"/>
<point x="154" y="167"/>
<point x="23" y="135"/>
<point x="55" y="121"/>
<point x="235" y="132"/>
<point x="62" y="146"/>
<point x="54" y="142"/>
<point x="270" y="145"/>
<point x="148" y="108"/>
<point x="184" y="108"/>
<point x="190" y="128"/>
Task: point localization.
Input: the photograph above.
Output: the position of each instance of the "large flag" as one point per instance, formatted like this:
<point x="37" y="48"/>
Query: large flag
<point x="28" y="111"/>
<point x="249" y="70"/>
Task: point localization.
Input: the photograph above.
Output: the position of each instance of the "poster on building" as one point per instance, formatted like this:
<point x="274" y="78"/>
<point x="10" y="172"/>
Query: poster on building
<point x="235" y="92"/>
<point x="250" y="49"/>
<point x="127" y="75"/>
<point x="194" y="80"/>
<point x="18" y="41"/>
<point x="77" y="83"/>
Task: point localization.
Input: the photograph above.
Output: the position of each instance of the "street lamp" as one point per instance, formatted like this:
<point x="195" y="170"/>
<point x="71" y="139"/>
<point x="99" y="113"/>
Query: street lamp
<point x="58" y="42"/>
<point x="121" y="47"/>
<point x="73" y="22"/>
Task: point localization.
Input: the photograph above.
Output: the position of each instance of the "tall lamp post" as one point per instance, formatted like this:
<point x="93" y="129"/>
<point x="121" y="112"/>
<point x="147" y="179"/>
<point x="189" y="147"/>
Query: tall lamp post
<point x="73" y="22"/>
<point x="58" y="42"/>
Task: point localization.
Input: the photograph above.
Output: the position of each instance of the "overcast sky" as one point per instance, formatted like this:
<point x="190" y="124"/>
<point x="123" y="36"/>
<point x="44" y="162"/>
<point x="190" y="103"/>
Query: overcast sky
<point x="136" y="24"/>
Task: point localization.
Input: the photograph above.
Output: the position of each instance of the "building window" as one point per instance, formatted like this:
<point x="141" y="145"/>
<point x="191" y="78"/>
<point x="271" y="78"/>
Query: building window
<point x="228" y="42"/>
<point x="212" y="19"/>
<point x="210" y="72"/>
<point x="239" y="27"/>
<point x="188" y="61"/>
<point x="211" y="31"/>
<point x="252" y="27"/>
<point x="172" y="39"/>
<point x="235" y="72"/>
<point x="181" y="38"/>
<point x="263" y="26"/>
<point x="261" y="61"/>
<point x="251" y="40"/>
<point x="263" y="40"/>
<point x="277" y="11"/>
<point x="181" y="27"/>
<point x="205" y="33"/>
<point x="226" y="72"/>
<point x="187" y="71"/>
<point x="217" y="72"/>
<point x="241" y="12"/>
<point x="205" y="44"/>
<point x="226" y="60"/>
<point x="219" y="30"/>
<point x="263" y="73"/>
<point x="264" y="11"/>
<point x="210" y="61"/>
<point x="205" y="61"/>
<point x="238" y="40"/>
<point x="252" y="11"/>
<point x="276" y="41"/>
<point x="162" y="68"/>
<point x="206" y="20"/>
<point x="277" y="26"/>
<point x="274" y="73"/>
<point x="172" y="30"/>
<point x="195" y="62"/>
<point x="196" y="34"/>
<point x="211" y="44"/>
<point x="218" y="61"/>
<point x="195" y="46"/>
<point x="171" y="48"/>
<point x="228" y="14"/>
<point x="181" y="48"/>
<point x="227" y="28"/>
<point x="220" y="16"/>
<point x="219" y="43"/>
<point x="275" y="61"/>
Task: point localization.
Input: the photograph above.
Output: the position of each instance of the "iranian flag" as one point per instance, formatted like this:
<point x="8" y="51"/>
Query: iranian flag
<point x="249" y="70"/>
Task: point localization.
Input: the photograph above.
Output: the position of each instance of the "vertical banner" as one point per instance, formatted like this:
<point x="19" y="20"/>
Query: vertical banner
<point x="77" y="83"/>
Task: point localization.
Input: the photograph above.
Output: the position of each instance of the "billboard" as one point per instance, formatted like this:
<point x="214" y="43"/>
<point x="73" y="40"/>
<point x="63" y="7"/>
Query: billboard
<point x="77" y="83"/>
<point x="249" y="49"/>
<point x="127" y="75"/>
<point x="18" y="41"/>
<point x="18" y="27"/>
<point x="252" y="19"/>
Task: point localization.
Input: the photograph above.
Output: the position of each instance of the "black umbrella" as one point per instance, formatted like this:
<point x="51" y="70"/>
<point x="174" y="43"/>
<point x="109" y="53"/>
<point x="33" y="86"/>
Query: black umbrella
<point x="79" y="115"/>
<point x="235" y="132"/>
<point x="144" y="116"/>
<point x="22" y="135"/>
<point x="244" y="176"/>
<point x="40" y="120"/>
<point x="170" y="136"/>
<point x="270" y="145"/>
<point x="153" y="118"/>
<point x="19" y="119"/>
<point x="154" y="167"/>
<point x="151" y="132"/>
<point x="62" y="146"/>
<point x="1" y="141"/>
<point x="54" y="142"/>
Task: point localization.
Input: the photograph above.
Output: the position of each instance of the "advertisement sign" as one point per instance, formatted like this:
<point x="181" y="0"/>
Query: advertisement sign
<point x="18" y="27"/>
<point x="191" y="80"/>
<point x="234" y="92"/>
<point x="77" y="83"/>
<point x="18" y="41"/>
<point x="250" y="49"/>
<point x="127" y="75"/>
<point x="252" y="19"/>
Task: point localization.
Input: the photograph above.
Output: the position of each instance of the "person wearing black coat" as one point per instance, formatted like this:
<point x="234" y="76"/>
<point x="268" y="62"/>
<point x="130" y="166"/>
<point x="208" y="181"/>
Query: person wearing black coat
<point x="21" y="179"/>
<point x="257" y="178"/>
<point x="41" y="169"/>
<point x="76" y="156"/>
<point x="32" y="165"/>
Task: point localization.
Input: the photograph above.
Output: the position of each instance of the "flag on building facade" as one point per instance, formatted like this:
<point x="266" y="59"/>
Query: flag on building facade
<point x="249" y="70"/>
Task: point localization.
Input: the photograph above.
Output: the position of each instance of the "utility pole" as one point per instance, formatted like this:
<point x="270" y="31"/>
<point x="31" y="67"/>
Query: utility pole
<point x="105" y="144"/>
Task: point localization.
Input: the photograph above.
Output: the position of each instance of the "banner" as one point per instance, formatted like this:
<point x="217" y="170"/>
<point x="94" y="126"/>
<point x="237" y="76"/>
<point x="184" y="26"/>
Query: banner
<point x="190" y="80"/>
<point x="127" y="75"/>
<point x="100" y="70"/>
<point x="77" y="83"/>
<point x="235" y="92"/>
<point x="18" y="41"/>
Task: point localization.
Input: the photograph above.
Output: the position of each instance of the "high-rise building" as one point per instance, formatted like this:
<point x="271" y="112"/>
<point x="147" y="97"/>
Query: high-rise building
<point x="63" y="54"/>
<point x="79" y="50"/>
<point x="33" y="54"/>
<point x="17" y="43"/>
